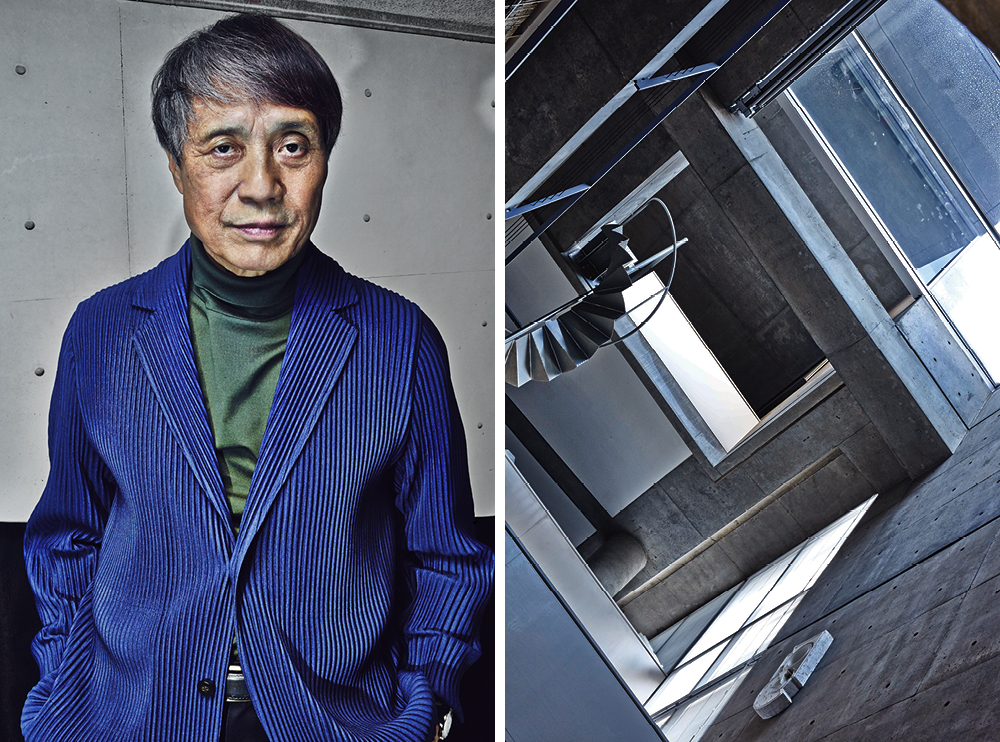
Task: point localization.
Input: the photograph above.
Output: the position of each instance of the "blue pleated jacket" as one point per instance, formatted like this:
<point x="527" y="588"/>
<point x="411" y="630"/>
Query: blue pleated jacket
<point x="354" y="586"/>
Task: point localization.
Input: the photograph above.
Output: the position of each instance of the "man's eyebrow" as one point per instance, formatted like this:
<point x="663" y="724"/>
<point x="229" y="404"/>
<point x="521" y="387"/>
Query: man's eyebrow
<point x="224" y="131"/>
<point x="238" y="130"/>
<point x="294" y="125"/>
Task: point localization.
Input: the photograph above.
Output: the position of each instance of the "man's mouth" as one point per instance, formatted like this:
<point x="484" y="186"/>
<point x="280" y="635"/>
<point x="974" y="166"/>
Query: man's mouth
<point x="260" y="230"/>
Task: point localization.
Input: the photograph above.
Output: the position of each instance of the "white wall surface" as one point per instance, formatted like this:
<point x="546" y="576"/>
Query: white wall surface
<point x="79" y="158"/>
<point x="598" y="418"/>
<point x="571" y="521"/>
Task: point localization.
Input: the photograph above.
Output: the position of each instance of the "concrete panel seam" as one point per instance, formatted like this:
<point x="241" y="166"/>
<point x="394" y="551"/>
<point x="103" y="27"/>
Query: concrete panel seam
<point x="829" y="611"/>
<point x="729" y="527"/>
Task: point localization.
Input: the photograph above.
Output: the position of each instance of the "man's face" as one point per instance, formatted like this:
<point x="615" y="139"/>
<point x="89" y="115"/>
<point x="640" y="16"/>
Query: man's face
<point x="252" y="181"/>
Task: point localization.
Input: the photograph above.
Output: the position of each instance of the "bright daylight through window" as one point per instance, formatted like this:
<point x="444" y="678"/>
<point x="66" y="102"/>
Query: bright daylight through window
<point x="908" y="108"/>
<point x="708" y="653"/>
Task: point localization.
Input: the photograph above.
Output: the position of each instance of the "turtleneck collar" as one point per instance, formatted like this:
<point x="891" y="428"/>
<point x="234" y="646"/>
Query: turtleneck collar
<point x="256" y="297"/>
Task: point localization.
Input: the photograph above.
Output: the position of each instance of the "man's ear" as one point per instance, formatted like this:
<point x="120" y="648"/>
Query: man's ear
<point x="175" y="171"/>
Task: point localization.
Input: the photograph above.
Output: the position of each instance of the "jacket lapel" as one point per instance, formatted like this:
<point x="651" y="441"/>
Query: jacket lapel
<point x="163" y="343"/>
<point x="319" y="344"/>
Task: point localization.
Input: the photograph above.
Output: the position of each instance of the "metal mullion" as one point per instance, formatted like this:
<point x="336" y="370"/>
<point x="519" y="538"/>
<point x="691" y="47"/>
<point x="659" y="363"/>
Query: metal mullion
<point x="802" y="548"/>
<point x="819" y="43"/>
<point x="870" y="210"/>
<point x="521" y="55"/>
<point x="759" y="602"/>
<point x="677" y="665"/>
<point x="681" y="664"/>
<point x="701" y="633"/>
<point x="697" y="691"/>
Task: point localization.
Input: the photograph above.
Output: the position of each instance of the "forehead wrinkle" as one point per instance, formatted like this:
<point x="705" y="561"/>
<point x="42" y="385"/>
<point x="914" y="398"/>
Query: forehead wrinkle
<point x="245" y="130"/>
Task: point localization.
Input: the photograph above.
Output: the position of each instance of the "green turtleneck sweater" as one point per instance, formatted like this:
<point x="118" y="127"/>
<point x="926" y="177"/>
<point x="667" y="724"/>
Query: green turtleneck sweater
<point x="239" y="328"/>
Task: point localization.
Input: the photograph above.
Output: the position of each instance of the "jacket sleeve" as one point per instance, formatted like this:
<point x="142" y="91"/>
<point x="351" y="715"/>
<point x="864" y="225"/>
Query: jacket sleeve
<point x="450" y="574"/>
<point x="63" y="534"/>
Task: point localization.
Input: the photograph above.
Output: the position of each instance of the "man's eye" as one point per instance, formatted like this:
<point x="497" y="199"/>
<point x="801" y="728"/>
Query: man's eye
<point x="224" y="149"/>
<point x="294" y="148"/>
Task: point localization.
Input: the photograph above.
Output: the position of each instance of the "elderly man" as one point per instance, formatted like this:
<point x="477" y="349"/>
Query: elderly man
<point x="257" y="520"/>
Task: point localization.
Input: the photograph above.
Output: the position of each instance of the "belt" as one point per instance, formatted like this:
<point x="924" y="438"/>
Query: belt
<point x="236" y="685"/>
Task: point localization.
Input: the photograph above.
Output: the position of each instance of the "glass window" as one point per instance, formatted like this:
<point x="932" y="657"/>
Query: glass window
<point x="909" y="107"/>
<point x="742" y="630"/>
<point x="952" y="83"/>
<point x="690" y="362"/>
<point x="892" y="164"/>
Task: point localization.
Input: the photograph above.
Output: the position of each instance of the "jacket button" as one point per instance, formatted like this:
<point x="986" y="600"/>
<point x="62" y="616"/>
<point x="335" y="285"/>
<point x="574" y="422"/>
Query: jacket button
<point x="206" y="687"/>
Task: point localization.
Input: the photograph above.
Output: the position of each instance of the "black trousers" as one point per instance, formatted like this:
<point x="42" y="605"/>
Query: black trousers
<point x="240" y="723"/>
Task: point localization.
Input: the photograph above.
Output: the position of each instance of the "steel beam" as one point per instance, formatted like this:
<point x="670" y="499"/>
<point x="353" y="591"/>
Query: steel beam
<point x="701" y="79"/>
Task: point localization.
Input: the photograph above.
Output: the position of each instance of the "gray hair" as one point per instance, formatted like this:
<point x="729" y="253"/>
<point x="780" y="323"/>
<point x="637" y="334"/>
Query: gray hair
<point x="247" y="57"/>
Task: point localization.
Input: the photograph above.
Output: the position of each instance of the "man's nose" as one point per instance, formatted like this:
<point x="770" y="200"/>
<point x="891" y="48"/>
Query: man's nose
<point x="261" y="182"/>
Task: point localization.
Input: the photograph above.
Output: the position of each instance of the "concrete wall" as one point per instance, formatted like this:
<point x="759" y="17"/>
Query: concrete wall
<point x="703" y="535"/>
<point x="408" y="203"/>
<point x="830" y="451"/>
<point x="912" y="603"/>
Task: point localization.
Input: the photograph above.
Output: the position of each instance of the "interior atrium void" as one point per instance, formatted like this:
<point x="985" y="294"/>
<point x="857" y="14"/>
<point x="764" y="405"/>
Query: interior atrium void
<point x="751" y="252"/>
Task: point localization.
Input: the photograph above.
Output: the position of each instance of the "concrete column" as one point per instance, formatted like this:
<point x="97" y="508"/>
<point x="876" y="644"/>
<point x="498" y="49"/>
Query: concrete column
<point x="617" y="561"/>
<point x="828" y="293"/>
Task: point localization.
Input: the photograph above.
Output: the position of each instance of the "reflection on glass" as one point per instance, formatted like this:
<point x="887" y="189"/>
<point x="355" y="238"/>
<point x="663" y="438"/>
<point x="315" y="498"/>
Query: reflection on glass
<point x="952" y="83"/>
<point x="888" y="158"/>
<point x="682" y="681"/>
<point x="688" y="724"/>
<point x="751" y="639"/>
<point x="811" y="560"/>
<point x="967" y="292"/>
<point x="673" y="643"/>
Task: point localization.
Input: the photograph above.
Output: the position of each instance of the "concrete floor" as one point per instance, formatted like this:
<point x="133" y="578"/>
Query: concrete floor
<point x="913" y="603"/>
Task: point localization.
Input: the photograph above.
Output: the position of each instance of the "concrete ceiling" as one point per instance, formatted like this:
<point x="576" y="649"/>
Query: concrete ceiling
<point x="470" y="20"/>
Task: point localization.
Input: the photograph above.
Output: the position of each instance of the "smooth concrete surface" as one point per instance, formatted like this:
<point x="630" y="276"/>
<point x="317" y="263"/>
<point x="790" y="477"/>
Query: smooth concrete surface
<point x="62" y="164"/>
<point x="723" y="561"/>
<point x="814" y="466"/>
<point x="80" y="160"/>
<point x="941" y="351"/>
<point x="617" y="561"/>
<point x="563" y="566"/>
<point x="558" y="686"/>
<point x="471" y="20"/>
<point x="912" y="601"/>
